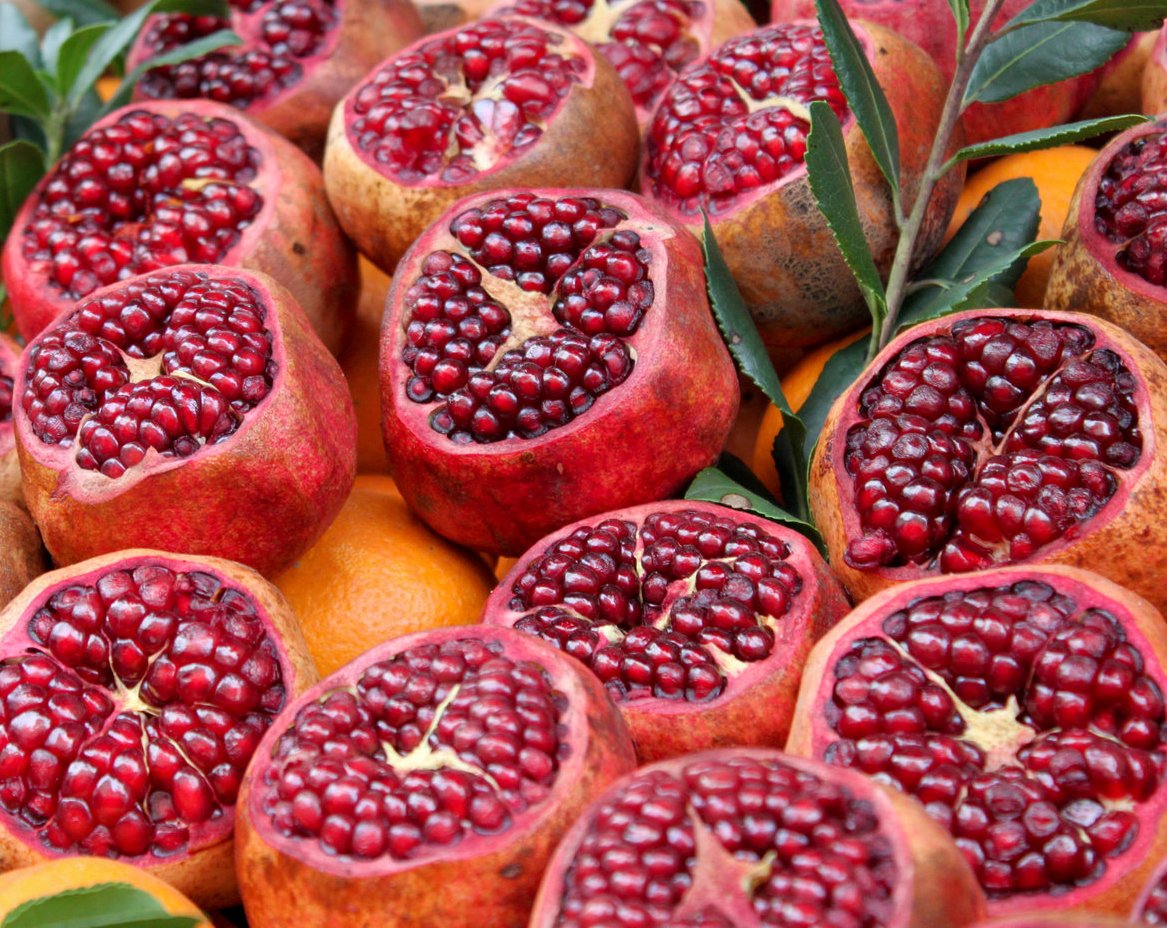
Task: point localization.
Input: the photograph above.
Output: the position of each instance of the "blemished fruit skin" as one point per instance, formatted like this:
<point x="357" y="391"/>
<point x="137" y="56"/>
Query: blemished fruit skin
<point x="22" y="556"/>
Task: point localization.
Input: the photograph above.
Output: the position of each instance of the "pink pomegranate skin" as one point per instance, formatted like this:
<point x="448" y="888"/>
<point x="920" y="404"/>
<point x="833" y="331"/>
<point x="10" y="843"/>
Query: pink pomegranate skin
<point x="927" y="883"/>
<point x="753" y="706"/>
<point x="260" y="496"/>
<point x="1113" y="541"/>
<point x="203" y="867"/>
<point x="1037" y="626"/>
<point x="483" y="880"/>
<point x="642" y="440"/>
<point x="294" y="236"/>
<point x="9" y="465"/>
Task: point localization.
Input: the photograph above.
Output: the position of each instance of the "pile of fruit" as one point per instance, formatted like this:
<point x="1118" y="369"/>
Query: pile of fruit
<point x="584" y="464"/>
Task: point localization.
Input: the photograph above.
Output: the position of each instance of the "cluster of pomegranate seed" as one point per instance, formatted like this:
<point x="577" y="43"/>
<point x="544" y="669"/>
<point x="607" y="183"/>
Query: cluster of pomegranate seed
<point x="126" y="729"/>
<point x="455" y="106"/>
<point x="211" y="347"/>
<point x="982" y="446"/>
<point x="429" y="748"/>
<point x="599" y="289"/>
<point x="661" y="609"/>
<point x="715" y="135"/>
<point x="1129" y="208"/>
<point x="1154" y="911"/>
<point x="808" y="852"/>
<point x="1025" y="723"/>
<point x="143" y="193"/>
<point x="5" y="398"/>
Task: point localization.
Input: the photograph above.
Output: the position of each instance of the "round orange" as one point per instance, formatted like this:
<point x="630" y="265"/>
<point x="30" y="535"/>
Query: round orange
<point x="379" y="572"/>
<point x="359" y="363"/>
<point x="1056" y="172"/>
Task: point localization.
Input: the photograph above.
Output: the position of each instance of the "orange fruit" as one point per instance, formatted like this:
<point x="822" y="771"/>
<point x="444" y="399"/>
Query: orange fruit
<point x="503" y="566"/>
<point x="379" y="572"/>
<point x="359" y="363"/>
<point x="107" y="86"/>
<point x="1056" y="172"/>
<point x="70" y="873"/>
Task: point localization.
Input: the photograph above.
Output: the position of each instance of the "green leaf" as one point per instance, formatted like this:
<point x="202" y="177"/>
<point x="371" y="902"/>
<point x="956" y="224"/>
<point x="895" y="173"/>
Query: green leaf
<point x="864" y="95"/>
<point x="960" y="14"/>
<point x="75" y="52"/>
<point x="195" y="49"/>
<point x="1128" y="15"/>
<point x="83" y="12"/>
<point x="1046" y="138"/>
<point x="21" y="90"/>
<point x="1039" y="54"/>
<point x="715" y="486"/>
<point x="21" y="166"/>
<point x="104" y="905"/>
<point x="16" y="35"/>
<point x="52" y="41"/>
<point x="830" y="182"/>
<point x="842" y="370"/>
<point x="81" y="119"/>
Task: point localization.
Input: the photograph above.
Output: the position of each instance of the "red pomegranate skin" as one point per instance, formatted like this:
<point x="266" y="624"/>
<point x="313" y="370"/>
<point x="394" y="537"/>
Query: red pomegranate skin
<point x="644" y="439"/>
<point x="750" y="703"/>
<point x="992" y="732"/>
<point x="9" y="465"/>
<point x="1112" y="541"/>
<point x="260" y="495"/>
<point x="201" y="864"/>
<point x="293" y="236"/>
<point x="480" y="880"/>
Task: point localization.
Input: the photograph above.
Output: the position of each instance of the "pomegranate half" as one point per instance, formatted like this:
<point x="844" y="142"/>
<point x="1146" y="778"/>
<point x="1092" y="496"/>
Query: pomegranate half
<point x="426" y="783"/>
<point x="9" y="464"/>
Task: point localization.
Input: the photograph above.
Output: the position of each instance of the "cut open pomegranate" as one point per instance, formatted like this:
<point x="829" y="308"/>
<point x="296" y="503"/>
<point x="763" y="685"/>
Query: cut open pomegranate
<point x="1024" y="708"/>
<point x="9" y="464"/>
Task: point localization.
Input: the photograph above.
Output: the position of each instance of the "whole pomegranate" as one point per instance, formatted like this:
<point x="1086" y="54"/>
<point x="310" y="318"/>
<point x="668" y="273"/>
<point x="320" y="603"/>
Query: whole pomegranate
<point x="426" y="783"/>
<point x="748" y="838"/>
<point x="502" y="102"/>
<point x="1024" y="708"/>
<point x="297" y="59"/>
<point x="1154" y="84"/>
<point x="1121" y="80"/>
<point x="989" y="438"/>
<point x="729" y="138"/>
<point x="22" y="556"/>
<point x="191" y="409"/>
<point x="177" y="182"/>
<point x="136" y="687"/>
<point x="696" y="618"/>
<point x="1114" y="260"/>
<point x="9" y="465"/>
<point x="548" y="355"/>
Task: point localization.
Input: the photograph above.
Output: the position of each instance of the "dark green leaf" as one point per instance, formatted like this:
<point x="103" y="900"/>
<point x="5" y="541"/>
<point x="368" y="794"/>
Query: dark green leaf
<point x="863" y="92"/>
<point x="195" y="49"/>
<point x="21" y="166"/>
<point x="1129" y="15"/>
<point x="838" y="374"/>
<point x="52" y="41"/>
<point x="21" y="91"/>
<point x="83" y="12"/>
<point x="1040" y="54"/>
<point x="715" y="486"/>
<point x="104" y="905"/>
<point x="1046" y="138"/>
<point x="75" y="52"/>
<point x="960" y="14"/>
<point x="16" y="35"/>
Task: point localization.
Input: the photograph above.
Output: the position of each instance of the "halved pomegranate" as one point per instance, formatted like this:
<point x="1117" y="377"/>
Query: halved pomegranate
<point x="748" y="838"/>
<point x="135" y="688"/>
<point x="548" y="355"/>
<point x="9" y="464"/>
<point x="502" y="102"/>
<point x="22" y="556"/>
<point x="729" y="138"/>
<point x="988" y="438"/>
<point x="1024" y="708"/>
<point x="298" y="58"/>
<point x="426" y="783"/>
<point x="191" y="409"/>
<point x="696" y="618"/>
<point x="178" y="182"/>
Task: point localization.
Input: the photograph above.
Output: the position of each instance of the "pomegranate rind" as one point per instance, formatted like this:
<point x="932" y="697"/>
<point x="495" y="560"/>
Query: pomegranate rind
<point x="261" y="497"/>
<point x="640" y="441"/>
<point x="755" y="708"/>
<point x="1154" y="84"/>
<point x="1156" y="877"/>
<point x="1146" y="631"/>
<point x="9" y="465"/>
<point x="22" y="556"/>
<point x="1060" y="920"/>
<point x="590" y="140"/>
<point x="485" y="882"/>
<point x="295" y="237"/>
<point x="206" y="874"/>
<point x="1113" y="542"/>
<point x="935" y="887"/>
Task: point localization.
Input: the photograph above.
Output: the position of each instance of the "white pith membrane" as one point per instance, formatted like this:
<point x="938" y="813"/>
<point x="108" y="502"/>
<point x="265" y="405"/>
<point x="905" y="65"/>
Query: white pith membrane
<point x="732" y="842"/>
<point x="464" y="103"/>
<point x="1023" y="718"/>
<point x="672" y="607"/>
<point x="130" y="703"/>
<point x="159" y="367"/>
<point x="425" y="751"/>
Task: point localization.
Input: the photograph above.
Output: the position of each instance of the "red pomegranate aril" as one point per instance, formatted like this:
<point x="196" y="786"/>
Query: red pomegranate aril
<point x="1041" y="747"/>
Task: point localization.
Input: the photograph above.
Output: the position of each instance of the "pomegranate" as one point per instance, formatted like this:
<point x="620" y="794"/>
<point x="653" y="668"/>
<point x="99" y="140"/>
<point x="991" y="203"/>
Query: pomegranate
<point x="1114" y="260"/>
<point x="22" y="557"/>
<point x="1154" y="87"/>
<point x="298" y="58"/>
<point x="1056" y="920"/>
<point x="746" y="838"/>
<point x="696" y="618"/>
<point x="192" y="410"/>
<point x="983" y="439"/>
<point x="440" y="15"/>
<point x="647" y="41"/>
<point x="426" y="783"/>
<point x="1024" y="708"/>
<point x="9" y="465"/>
<point x="1151" y="907"/>
<point x="136" y="687"/>
<point x="1120" y="82"/>
<point x="502" y="102"/>
<point x="176" y="182"/>
<point x="729" y="137"/>
<point x="546" y="356"/>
